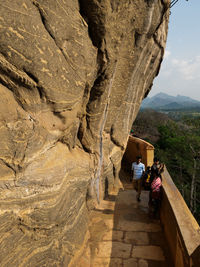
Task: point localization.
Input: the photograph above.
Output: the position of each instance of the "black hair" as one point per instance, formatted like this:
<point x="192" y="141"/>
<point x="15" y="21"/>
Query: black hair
<point x="139" y="157"/>
<point x="155" y="159"/>
<point x="156" y="173"/>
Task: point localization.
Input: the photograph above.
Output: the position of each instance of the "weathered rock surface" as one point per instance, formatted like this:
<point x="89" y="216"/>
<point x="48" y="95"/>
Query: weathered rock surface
<point x="73" y="74"/>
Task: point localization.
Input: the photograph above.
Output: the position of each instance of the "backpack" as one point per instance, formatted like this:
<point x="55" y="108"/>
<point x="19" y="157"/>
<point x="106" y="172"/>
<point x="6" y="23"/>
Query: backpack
<point x="147" y="181"/>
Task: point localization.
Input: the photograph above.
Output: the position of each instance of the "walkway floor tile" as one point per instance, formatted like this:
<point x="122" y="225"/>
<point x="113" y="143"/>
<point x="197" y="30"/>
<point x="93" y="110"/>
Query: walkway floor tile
<point x="148" y="252"/>
<point x="123" y="235"/>
<point x="106" y="262"/>
<point x="142" y="263"/>
<point x="130" y="263"/>
<point x="113" y="235"/>
<point x="137" y="226"/>
<point x="136" y="238"/>
<point x="114" y="249"/>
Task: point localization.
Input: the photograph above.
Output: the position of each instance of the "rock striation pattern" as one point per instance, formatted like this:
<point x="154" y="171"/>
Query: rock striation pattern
<point x="73" y="74"/>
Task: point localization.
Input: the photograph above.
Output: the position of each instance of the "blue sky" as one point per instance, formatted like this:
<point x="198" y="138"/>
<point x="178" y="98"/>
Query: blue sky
<point x="180" y="69"/>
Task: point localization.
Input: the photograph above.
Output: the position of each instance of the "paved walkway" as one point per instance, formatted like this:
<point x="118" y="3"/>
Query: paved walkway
<point x="122" y="234"/>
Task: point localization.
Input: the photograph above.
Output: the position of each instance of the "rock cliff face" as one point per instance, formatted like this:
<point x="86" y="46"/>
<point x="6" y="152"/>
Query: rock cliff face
<point x="73" y="75"/>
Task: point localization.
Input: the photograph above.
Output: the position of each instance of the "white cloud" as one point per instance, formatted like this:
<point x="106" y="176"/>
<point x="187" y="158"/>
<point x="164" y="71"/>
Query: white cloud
<point x="188" y="69"/>
<point x="167" y="54"/>
<point x="179" y="76"/>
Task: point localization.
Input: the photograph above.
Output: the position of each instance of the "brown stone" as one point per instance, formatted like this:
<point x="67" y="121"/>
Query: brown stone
<point x="106" y="262"/>
<point x="142" y="263"/>
<point x="113" y="249"/>
<point x="136" y="238"/>
<point x="106" y="205"/>
<point x="148" y="252"/>
<point x="130" y="263"/>
<point x="109" y="223"/>
<point x="137" y="226"/>
<point x="113" y="235"/>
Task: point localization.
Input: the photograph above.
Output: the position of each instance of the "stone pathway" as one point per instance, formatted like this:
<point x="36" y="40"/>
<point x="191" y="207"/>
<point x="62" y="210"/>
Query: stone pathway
<point x="122" y="234"/>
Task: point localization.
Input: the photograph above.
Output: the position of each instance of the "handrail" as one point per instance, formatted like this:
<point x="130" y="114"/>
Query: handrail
<point x="181" y="229"/>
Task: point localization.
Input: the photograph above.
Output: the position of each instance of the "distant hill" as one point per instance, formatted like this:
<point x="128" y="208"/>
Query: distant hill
<point x="164" y="101"/>
<point x="146" y="124"/>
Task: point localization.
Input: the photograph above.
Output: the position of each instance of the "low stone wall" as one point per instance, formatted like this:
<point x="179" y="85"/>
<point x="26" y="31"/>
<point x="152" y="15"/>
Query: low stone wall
<point x="180" y="227"/>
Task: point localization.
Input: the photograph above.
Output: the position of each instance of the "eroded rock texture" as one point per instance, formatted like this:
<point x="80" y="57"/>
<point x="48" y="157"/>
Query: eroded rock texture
<point x="73" y="75"/>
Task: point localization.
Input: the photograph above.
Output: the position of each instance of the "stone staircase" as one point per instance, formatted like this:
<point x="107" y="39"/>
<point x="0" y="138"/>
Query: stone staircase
<point x="122" y="234"/>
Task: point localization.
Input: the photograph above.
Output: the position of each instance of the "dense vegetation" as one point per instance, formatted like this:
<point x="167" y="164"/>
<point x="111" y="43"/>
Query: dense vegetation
<point x="176" y="137"/>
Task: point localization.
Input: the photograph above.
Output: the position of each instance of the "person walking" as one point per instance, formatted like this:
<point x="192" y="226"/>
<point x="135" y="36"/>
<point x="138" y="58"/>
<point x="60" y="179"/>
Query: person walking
<point x="156" y="194"/>
<point x="156" y="170"/>
<point x="157" y="166"/>
<point x="138" y="170"/>
<point x="154" y="167"/>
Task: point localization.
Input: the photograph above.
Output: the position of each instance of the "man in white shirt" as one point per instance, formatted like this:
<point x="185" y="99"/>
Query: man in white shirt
<point x="138" y="169"/>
